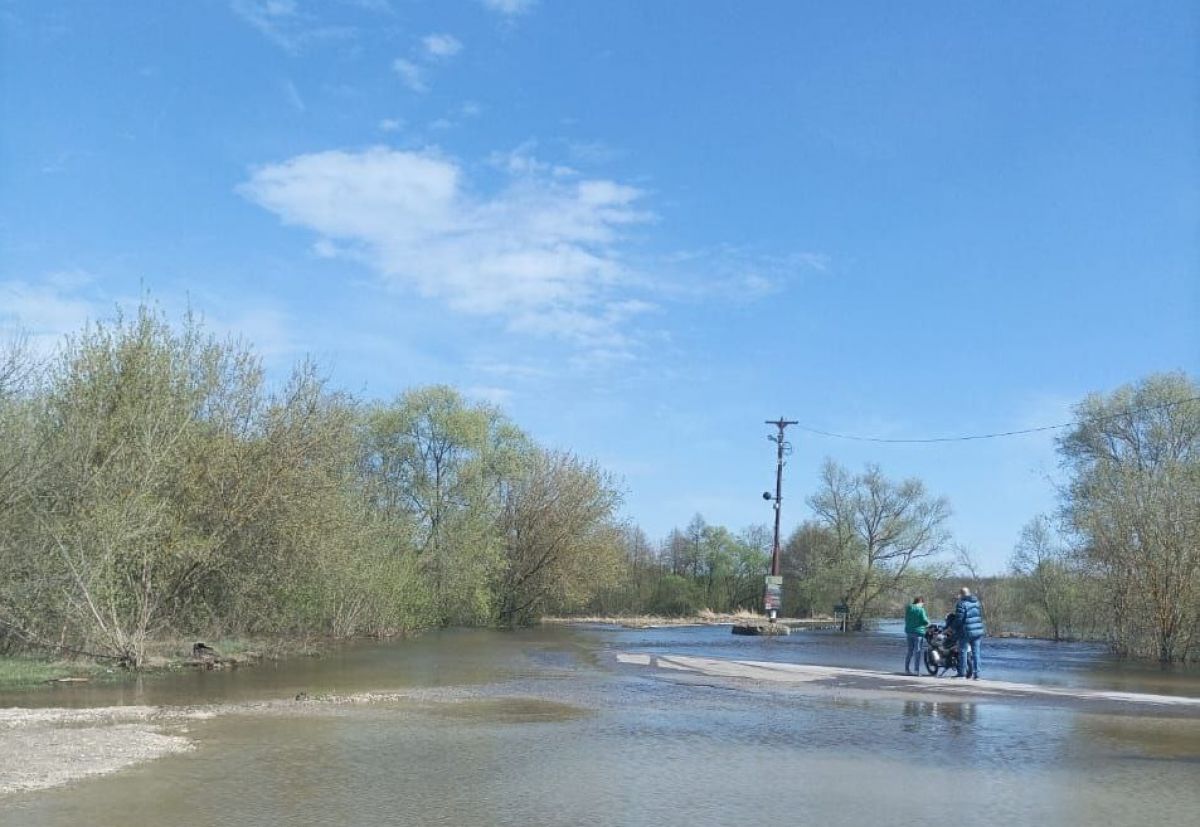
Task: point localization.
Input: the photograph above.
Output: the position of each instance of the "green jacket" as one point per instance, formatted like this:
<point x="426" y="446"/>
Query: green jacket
<point x="915" y="619"/>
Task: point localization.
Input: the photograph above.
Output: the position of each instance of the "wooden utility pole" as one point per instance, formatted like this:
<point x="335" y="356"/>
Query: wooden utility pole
<point x="783" y="448"/>
<point x="773" y="599"/>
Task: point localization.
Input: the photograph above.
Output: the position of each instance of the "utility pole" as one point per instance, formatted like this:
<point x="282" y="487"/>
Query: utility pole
<point x="773" y="596"/>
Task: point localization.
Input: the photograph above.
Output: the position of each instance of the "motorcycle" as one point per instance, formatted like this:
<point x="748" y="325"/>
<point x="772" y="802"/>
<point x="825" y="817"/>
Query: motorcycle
<point x="941" y="650"/>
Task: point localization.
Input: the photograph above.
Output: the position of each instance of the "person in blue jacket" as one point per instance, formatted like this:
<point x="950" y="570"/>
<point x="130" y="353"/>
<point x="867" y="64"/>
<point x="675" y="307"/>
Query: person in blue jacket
<point x="968" y="622"/>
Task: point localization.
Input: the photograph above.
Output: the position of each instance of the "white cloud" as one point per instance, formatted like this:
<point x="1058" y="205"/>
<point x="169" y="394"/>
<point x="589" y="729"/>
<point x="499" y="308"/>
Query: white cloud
<point x="509" y="8"/>
<point x="412" y="74"/>
<point x="543" y="254"/>
<point x="391" y="124"/>
<point x="441" y="45"/>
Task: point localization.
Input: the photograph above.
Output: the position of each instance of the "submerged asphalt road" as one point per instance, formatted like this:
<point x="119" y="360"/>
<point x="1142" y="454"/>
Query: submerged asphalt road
<point x="868" y="683"/>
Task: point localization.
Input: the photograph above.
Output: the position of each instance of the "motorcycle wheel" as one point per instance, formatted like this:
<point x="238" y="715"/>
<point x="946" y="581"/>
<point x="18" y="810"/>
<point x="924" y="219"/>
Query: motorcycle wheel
<point x="931" y="665"/>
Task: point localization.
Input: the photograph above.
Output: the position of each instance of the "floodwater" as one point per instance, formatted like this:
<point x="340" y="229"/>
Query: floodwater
<point x="543" y="727"/>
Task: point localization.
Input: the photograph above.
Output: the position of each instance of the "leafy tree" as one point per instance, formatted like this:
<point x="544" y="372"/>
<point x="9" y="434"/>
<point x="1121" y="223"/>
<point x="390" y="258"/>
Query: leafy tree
<point x="1051" y="582"/>
<point x="638" y="569"/>
<point x="132" y="411"/>
<point x="560" y="543"/>
<point x="442" y="464"/>
<point x="1133" y="503"/>
<point x="817" y="570"/>
<point x="675" y="596"/>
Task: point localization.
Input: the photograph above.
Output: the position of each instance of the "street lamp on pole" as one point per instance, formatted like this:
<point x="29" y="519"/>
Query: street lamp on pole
<point x="773" y="594"/>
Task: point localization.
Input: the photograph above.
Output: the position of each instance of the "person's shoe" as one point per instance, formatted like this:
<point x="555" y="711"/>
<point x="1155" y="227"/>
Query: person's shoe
<point x="958" y="676"/>
<point x="974" y="677"/>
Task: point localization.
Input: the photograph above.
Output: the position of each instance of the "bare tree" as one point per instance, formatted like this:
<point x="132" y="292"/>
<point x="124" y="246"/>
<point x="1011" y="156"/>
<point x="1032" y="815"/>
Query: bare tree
<point x="881" y="527"/>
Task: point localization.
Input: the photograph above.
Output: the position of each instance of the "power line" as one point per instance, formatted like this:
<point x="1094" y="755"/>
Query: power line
<point x="999" y="433"/>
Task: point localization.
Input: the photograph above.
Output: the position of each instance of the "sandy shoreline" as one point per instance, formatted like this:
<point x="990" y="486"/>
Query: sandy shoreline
<point x="42" y="748"/>
<point x="48" y="747"/>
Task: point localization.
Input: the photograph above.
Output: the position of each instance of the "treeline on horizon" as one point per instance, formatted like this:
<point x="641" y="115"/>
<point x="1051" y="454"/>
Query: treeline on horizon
<point x="153" y="484"/>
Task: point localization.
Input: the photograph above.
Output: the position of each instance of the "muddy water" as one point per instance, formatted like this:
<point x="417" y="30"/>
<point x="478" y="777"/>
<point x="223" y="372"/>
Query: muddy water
<point x="542" y="728"/>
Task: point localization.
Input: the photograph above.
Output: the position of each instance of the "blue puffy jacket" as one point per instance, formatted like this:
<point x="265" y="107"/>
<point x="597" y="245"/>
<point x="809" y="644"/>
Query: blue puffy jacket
<point x="968" y="616"/>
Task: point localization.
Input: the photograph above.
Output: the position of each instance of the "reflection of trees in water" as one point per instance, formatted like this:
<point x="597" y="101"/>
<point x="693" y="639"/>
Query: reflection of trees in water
<point x="1142" y="737"/>
<point x="947" y="710"/>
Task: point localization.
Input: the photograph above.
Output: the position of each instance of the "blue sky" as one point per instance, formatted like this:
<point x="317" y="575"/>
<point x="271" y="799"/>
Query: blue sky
<point x="643" y="228"/>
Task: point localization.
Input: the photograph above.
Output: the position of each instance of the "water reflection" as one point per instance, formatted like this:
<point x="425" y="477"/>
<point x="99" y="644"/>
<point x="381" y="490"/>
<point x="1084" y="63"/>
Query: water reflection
<point x="947" y="710"/>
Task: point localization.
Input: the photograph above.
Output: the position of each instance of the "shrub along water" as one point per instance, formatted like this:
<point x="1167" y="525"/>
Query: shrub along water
<point x="151" y="484"/>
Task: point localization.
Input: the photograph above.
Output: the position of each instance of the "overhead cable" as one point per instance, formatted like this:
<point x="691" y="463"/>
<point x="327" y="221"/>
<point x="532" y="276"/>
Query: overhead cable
<point x="999" y="433"/>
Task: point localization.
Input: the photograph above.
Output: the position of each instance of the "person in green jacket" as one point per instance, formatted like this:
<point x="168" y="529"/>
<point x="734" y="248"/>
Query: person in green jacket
<point x="915" y="621"/>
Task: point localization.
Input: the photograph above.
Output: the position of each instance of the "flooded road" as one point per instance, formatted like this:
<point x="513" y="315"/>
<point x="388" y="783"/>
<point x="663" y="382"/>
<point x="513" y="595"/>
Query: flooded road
<point x="546" y="727"/>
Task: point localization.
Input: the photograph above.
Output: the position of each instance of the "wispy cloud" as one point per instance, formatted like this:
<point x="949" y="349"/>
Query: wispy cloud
<point x="545" y="255"/>
<point x="434" y="48"/>
<point x="381" y="6"/>
<point x="493" y="395"/>
<point x="288" y="26"/>
<point x="512" y="371"/>
<point x="522" y="161"/>
<point x="47" y="310"/>
<point x="593" y="152"/>
<point x="293" y="96"/>
<point x="509" y="8"/>
<point x="455" y="117"/>
<point x="441" y="45"/>
<point x="412" y="74"/>
<point x="268" y="330"/>
<point x="728" y="272"/>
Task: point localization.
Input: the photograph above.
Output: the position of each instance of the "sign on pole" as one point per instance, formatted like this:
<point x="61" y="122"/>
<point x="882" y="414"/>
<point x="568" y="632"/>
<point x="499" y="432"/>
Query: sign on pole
<point x="773" y="596"/>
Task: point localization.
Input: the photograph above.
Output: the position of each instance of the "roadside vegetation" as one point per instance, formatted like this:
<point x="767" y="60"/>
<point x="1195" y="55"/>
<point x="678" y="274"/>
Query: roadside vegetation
<point x="155" y="486"/>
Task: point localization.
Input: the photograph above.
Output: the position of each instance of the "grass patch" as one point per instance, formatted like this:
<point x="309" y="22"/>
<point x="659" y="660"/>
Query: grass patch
<point x="24" y="672"/>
